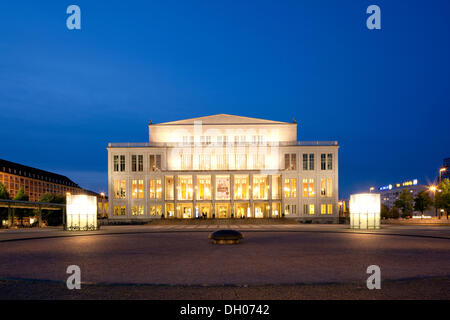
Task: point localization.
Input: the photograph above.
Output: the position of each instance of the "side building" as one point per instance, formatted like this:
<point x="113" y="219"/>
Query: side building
<point x="444" y="171"/>
<point x="36" y="182"/>
<point x="223" y="166"/>
<point x="391" y="192"/>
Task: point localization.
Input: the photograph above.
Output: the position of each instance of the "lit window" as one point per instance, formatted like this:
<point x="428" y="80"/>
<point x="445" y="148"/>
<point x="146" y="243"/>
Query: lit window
<point x="308" y="188"/>
<point x="152" y="189"/>
<point x="184" y="188"/>
<point x="290" y="188"/>
<point x="260" y="187"/>
<point x="241" y="186"/>
<point x="203" y="188"/>
<point x="137" y="189"/>
<point x="119" y="189"/>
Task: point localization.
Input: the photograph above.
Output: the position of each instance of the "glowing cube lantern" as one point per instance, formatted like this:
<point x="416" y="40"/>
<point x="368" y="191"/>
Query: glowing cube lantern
<point x="365" y="211"/>
<point x="81" y="212"/>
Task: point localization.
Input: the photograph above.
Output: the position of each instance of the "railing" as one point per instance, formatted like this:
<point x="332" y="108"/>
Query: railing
<point x="317" y="143"/>
<point x="191" y="144"/>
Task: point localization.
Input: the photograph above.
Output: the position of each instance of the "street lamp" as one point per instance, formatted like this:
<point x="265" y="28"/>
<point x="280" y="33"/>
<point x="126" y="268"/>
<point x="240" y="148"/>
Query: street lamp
<point x="433" y="189"/>
<point x="102" y="194"/>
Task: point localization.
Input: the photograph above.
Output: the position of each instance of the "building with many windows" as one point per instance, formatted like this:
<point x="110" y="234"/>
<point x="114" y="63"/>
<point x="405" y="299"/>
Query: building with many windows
<point x="391" y="192"/>
<point x="36" y="182"/>
<point x="223" y="166"/>
<point x="444" y="171"/>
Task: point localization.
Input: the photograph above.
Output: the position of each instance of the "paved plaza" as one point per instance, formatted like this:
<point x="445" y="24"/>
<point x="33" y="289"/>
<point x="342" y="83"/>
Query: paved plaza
<point x="161" y="261"/>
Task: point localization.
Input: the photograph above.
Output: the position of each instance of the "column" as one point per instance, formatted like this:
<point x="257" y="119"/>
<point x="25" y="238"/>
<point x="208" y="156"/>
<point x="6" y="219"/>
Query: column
<point x="251" y="195"/>
<point x="175" y="194"/>
<point x="213" y="194"/>
<point x="282" y="194"/>
<point x="232" y="196"/>
<point x="194" y="195"/>
<point x="270" y="195"/>
<point x="163" y="196"/>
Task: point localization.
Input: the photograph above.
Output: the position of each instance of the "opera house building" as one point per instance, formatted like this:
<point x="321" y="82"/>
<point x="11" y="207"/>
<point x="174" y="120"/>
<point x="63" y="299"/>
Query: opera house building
<point x="223" y="166"/>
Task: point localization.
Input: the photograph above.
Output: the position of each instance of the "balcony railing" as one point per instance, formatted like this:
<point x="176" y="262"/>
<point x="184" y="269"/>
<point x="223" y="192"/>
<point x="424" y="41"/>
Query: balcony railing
<point x="213" y="144"/>
<point x="317" y="143"/>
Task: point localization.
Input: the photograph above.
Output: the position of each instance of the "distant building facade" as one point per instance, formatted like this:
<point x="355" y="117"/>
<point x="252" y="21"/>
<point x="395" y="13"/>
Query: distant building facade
<point x="36" y="182"/>
<point x="223" y="166"/>
<point x="445" y="173"/>
<point x="391" y="192"/>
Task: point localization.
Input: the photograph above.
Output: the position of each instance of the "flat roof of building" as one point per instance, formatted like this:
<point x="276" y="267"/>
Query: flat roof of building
<point x="34" y="173"/>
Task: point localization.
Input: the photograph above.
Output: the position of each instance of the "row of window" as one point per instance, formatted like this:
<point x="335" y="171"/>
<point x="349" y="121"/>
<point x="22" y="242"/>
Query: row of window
<point x="223" y="140"/>
<point x="137" y="163"/>
<point x="224" y="161"/>
<point x="36" y="176"/>
<point x="326" y="161"/>
<point x="260" y="189"/>
<point x="156" y="210"/>
<point x="310" y="209"/>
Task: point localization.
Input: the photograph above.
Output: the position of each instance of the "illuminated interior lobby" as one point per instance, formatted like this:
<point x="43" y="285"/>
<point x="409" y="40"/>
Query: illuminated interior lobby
<point x="223" y="166"/>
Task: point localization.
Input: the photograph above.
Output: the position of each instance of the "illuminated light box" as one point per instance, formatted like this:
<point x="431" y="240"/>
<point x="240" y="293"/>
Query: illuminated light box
<point x="81" y="212"/>
<point x="365" y="211"/>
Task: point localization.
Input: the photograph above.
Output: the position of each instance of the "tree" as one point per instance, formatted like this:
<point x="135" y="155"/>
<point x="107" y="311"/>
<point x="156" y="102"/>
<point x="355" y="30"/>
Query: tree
<point x="385" y="212"/>
<point x="405" y="203"/>
<point x="21" y="196"/>
<point x="53" y="217"/>
<point x="4" y="194"/>
<point x="422" y="201"/>
<point x="443" y="196"/>
<point x="395" y="214"/>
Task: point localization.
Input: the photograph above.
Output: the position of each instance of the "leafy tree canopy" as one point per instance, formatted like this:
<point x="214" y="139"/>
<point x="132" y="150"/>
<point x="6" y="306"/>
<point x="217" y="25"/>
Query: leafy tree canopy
<point x="52" y="198"/>
<point x="21" y="195"/>
<point x="443" y="196"/>
<point x="405" y="202"/>
<point x="4" y="194"/>
<point x="422" y="201"/>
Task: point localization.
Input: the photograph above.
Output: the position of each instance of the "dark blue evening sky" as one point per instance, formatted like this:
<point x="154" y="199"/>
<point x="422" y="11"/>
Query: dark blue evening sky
<point x="383" y="94"/>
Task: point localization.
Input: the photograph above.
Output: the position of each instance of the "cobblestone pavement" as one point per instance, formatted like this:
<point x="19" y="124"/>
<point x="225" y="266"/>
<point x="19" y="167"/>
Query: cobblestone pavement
<point x="271" y="260"/>
<point x="419" y="231"/>
<point x="412" y="289"/>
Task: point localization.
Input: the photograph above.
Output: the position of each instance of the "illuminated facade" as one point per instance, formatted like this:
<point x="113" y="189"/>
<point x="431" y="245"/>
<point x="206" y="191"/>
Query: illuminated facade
<point x="36" y="182"/>
<point x="391" y="192"/>
<point x="223" y="166"/>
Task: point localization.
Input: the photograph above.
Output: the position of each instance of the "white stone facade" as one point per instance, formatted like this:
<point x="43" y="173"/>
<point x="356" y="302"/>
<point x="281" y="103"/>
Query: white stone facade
<point x="223" y="166"/>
